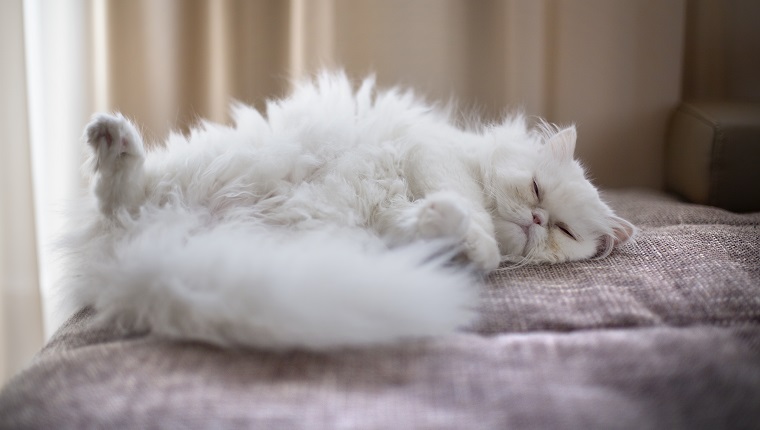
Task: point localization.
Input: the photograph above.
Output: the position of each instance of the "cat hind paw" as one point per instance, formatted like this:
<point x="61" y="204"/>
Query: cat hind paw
<point x="112" y="138"/>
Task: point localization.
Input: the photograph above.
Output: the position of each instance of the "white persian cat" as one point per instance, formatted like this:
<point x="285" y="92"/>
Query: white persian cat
<point x="343" y="217"/>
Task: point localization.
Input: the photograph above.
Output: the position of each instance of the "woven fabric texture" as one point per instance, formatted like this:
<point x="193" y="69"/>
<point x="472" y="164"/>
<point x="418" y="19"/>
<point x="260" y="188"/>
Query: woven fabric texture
<point x="664" y="333"/>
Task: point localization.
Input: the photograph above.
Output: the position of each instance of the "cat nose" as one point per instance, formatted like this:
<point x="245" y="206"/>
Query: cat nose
<point x="537" y="219"/>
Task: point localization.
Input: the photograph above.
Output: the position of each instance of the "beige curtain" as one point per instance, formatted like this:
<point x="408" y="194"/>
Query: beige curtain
<point x="20" y="306"/>
<point x="613" y="67"/>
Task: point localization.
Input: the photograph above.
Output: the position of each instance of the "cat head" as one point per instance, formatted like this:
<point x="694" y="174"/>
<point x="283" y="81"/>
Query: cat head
<point x="543" y="207"/>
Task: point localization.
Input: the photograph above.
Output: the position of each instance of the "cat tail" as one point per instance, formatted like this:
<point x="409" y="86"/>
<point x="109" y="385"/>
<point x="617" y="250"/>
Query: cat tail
<point x="229" y="286"/>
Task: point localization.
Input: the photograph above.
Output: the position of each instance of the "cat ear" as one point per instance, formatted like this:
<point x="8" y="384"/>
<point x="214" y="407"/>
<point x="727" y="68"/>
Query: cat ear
<point x="622" y="230"/>
<point x="562" y="144"/>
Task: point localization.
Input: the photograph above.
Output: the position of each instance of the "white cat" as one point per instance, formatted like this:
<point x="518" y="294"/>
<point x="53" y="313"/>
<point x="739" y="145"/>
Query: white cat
<point x="342" y="218"/>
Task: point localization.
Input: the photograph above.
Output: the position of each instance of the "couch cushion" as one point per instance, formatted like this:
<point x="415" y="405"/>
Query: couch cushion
<point x="712" y="154"/>
<point x="665" y="333"/>
<point x="690" y="264"/>
<point x="657" y="377"/>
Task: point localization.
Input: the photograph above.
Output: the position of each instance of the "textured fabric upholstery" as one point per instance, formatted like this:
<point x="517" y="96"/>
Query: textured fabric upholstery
<point x="664" y="333"/>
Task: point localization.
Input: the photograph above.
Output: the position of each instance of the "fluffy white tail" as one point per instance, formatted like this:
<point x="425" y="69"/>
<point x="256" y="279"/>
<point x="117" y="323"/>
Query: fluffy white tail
<point x="233" y="286"/>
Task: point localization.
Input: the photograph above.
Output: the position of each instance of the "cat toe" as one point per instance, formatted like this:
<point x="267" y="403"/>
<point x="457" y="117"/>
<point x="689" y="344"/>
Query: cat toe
<point x="483" y="250"/>
<point x="102" y="130"/>
<point x="111" y="137"/>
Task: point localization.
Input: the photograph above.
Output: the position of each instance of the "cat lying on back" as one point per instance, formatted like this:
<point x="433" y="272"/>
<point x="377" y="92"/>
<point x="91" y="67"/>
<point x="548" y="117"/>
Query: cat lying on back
<point x="340" y="218"/>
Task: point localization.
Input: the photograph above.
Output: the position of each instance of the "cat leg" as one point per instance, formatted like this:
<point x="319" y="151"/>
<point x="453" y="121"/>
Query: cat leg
<point x="442" y="215"/>
<point x="117" y="159"/>
<point x="437" y="172"/>
<point x="481" y="246"/>
<point x="446" y="214"/>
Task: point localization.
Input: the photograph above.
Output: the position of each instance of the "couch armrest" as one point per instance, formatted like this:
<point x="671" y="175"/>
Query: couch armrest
<point x="713" y="155"/>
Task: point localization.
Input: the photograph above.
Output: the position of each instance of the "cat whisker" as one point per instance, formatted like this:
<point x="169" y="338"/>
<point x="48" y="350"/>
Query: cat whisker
<point x="517" y="263"/>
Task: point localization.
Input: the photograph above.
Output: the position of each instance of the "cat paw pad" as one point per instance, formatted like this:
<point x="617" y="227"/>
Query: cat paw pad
<point x="112" y="137"/>
<point x="442" y="216"/>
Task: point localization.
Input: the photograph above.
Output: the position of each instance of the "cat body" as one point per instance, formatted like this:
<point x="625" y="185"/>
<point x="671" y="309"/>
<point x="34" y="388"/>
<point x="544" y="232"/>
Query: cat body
<point x="332" y="221"/>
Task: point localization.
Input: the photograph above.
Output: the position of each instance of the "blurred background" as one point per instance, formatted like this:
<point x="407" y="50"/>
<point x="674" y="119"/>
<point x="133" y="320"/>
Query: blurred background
<point x="616" y="68"/>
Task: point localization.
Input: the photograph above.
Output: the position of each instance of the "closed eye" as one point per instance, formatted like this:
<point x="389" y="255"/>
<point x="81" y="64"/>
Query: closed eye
<point x="564" y="229"/>
<point x="536" y="191"/>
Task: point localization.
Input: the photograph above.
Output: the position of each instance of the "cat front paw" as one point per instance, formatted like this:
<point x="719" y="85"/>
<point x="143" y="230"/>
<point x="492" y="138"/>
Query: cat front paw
<point x="482" y="249"/>
<point x="112" y="139"/>
<point x="441" y="215"/>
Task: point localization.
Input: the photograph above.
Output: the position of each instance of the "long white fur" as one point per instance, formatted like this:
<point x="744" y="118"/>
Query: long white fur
<point x="332" y="221"/>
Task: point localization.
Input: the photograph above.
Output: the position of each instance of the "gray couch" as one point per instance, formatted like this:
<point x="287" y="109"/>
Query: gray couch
<point x="664" y="333"/>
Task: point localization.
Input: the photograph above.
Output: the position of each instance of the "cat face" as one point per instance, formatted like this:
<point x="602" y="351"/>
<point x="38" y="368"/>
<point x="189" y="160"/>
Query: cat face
<point x="545" y="210"/>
